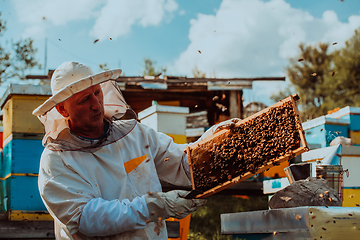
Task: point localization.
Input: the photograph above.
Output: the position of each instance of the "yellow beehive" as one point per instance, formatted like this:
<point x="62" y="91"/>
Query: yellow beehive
<point x="17" y="104"/>
<point x="350" y="197"/>
<point x="18" y="116"/>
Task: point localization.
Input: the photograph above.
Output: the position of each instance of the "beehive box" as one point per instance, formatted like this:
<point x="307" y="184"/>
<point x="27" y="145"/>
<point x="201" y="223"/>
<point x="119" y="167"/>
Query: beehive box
<point x="22" y="148"/>
<point x="246" y="148"/>
<point x="21" y="156"/>
<point x="18" y="103"/>
<point x="18" y="174"/>
<point x="22" y="193"/>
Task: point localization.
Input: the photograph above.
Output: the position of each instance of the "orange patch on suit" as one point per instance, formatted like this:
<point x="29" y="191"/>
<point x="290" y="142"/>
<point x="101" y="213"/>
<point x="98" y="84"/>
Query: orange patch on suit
<point x="133" y="163"/>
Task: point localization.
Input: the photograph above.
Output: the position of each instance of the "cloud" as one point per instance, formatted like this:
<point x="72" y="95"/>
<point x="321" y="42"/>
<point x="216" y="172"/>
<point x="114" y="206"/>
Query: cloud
<point x="255" y="39"/>
<point x="40" y="15"/>
<point x="118" y="16"/>
<point x="34" y="30"/>
<point x="112" y="18"/>
<point x="56" y="13"/>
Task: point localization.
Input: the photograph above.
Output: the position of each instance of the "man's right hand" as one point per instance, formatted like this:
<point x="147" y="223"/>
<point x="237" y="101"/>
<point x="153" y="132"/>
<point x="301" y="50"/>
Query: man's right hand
<point x="171" y="204"/>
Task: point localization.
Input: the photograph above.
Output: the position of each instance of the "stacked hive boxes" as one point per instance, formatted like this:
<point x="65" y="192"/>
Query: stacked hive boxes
<point x="351" y="114"/>
<point x="321" y="131"/>
<point x="22" y="148"/>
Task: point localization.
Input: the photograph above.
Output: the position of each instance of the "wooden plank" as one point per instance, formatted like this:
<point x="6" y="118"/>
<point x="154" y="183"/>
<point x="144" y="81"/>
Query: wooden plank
<point x="175" y="79"/>
<point x="27" y="229"/>
<point x="199" y="150"/>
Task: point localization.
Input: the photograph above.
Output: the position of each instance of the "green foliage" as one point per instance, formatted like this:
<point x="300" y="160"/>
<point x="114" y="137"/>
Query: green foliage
<point x="197" y="73"/>
<point x="24" y="57"/>
<point x="325" y="81"/>
<point x="205" y="223"/>
<point x="308" y="75"/>
<point x="15" y="61"/>
<point x="149" y="68"/>
<point x="346" y="77"/>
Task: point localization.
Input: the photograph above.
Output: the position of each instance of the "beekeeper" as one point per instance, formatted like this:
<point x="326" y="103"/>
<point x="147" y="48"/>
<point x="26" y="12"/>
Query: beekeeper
<point x="99" y="175"/>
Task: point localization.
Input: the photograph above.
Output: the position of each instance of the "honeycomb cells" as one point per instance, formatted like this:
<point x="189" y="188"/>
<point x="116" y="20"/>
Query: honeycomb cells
<point x="247" y="147"/>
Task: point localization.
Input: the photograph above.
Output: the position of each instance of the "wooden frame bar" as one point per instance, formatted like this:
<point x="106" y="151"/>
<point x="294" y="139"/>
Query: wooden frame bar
<point x="222" y="134"/>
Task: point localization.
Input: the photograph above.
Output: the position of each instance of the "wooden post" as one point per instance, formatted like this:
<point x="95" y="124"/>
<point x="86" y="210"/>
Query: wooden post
<point x="233" y="104"/>
<point x="240" y="103"/>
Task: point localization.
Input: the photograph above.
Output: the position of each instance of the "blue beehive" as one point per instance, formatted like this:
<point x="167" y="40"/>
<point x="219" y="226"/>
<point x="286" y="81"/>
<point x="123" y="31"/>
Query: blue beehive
<point x="20" y="170"/>
<point x="348" y="113"/>
<point x="319" y="132"/>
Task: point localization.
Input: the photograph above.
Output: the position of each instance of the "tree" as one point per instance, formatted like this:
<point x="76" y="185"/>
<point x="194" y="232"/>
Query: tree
<point x="325" y="81"/>
<point x="149" y="68"/>
<point x="15" y="61"/>
<point x="197" y="73"/>
<point x="307" y="75"/>
<point x="346" y="73"/>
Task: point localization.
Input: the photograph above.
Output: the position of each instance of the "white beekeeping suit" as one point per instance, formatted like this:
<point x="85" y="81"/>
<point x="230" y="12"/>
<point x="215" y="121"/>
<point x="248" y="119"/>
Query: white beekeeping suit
<point x="108" y="188"/>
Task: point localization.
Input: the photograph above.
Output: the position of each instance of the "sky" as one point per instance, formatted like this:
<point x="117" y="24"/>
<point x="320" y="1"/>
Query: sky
<point x="222" y="38"/>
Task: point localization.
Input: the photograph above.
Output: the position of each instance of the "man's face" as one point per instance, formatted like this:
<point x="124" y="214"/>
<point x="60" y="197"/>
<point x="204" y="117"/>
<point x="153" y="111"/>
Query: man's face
<point x="85" y="111"/>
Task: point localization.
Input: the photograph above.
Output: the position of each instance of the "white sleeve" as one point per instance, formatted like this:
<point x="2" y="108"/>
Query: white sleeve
<point x="73" y="201"/>
<point x="101" y="218"/>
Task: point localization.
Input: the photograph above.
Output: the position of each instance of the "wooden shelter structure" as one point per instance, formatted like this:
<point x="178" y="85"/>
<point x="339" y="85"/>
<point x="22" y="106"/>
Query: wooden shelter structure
<point x="222" y="98"/>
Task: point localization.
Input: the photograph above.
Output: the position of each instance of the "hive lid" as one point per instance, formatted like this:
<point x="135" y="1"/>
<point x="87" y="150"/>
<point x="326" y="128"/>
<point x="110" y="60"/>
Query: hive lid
<point x="324" y="120"/>
<point x="22" y="89"/>
<point x="162" y="109"/>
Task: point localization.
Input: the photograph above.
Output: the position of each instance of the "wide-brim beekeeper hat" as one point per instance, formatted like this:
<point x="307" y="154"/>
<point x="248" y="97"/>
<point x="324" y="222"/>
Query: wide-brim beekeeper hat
<point x="71" y="78"/>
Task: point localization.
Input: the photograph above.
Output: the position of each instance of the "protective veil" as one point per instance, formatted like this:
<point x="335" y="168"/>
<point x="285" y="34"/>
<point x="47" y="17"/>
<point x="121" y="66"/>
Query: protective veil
<point x="95" y="189"/>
